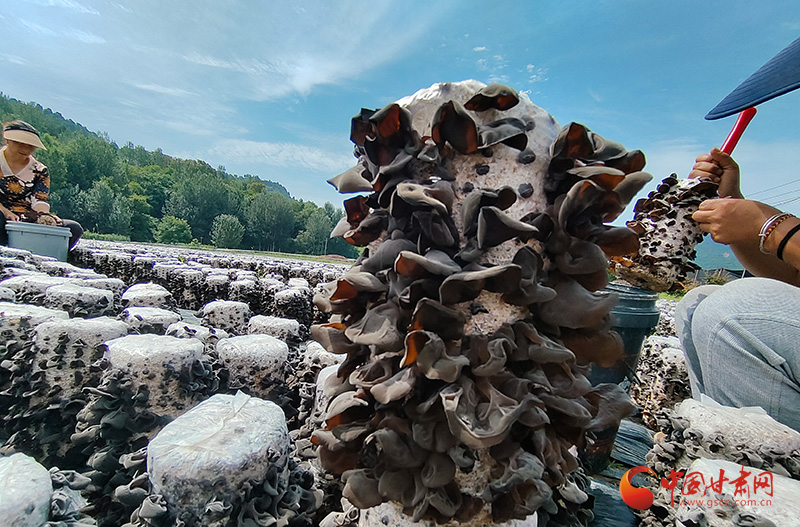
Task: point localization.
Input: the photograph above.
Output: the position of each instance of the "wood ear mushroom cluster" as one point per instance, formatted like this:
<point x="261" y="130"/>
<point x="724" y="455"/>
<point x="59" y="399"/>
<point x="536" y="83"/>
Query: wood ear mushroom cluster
<point x="475" y="311"/>
<point x="667" y="234"/>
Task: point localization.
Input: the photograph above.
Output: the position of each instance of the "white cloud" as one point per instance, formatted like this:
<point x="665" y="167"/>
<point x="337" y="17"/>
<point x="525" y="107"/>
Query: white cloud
<point x="494" y="65"/>
<point x="479" y="48"/>
<point x="13" y="59"/>
<point x="121" y="7"/>
<point x="70" y="4"/>
<point x="176" y="75"/>
<point x="536" y="74"/>
<point x="248" y="66"/>
<point x="280" y="154"/>
<point x="83" y="36"/>
<point x="157" y="88"/>
<point x="675" y="155"/>
<point x="69" y="32"/>
<point x="502" y="79"/>
<point x="264" y="53"/>
<point x="67" y="4"/>
<point x="38" y="29"/>
<point x="188" y="127"/>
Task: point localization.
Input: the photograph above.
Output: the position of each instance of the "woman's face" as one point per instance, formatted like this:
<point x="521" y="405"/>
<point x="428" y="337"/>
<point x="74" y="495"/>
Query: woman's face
<point x="18" y="151"/>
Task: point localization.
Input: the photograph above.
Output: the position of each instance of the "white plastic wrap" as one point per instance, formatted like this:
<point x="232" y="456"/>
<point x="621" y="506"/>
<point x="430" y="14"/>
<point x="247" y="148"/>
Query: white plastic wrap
<point x="208" y="336"/>
<point x="391" y="513"/>
<point x="73" y="296"/>
<point x="146" y="295"/>
<point x="34" y="284"/>
<point x="134" y="352"/>
<point x="149" y="319"/>
<point x="12" y="314"/>
<point x="281" y="328"/>
<point x="115" y="285"/>
<point x="322" y="399"/>
<point x="253" y="360"/>
<point x="211" y="450"/>
<point x="7" y="295"/>
<point x="72" y="342"/>
<point x="227" y="314"/>
<point x="157" y="362"/>
<point x="749" y="426"/>
<point x="25" y="490"/>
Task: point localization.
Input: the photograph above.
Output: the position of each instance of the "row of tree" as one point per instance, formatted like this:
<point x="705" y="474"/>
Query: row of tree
<point x="149" y="196"/>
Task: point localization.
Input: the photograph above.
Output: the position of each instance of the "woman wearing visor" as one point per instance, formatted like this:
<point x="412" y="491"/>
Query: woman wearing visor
<point x="25" y="183"/>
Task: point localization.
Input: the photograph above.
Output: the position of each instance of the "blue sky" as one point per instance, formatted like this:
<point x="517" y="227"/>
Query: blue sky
<point x="269" y="87"/>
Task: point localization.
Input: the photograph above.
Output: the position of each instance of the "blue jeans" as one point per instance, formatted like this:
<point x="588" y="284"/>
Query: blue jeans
<point x="742" y="345"/>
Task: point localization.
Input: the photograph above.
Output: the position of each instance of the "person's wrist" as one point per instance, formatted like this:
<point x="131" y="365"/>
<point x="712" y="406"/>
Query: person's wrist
<point x="772" y="242"/>
<point x="769" y="227"/>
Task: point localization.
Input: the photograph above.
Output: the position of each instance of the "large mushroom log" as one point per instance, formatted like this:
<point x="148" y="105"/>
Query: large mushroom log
<point x="471" y="318"/>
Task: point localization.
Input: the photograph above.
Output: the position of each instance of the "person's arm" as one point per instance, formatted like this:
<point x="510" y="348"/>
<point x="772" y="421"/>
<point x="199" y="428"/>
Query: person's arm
<point x="737" y="222"/>
<point x="41" y="190"/>
<point x="788" y="235"/>
<point x="7" y="214"/>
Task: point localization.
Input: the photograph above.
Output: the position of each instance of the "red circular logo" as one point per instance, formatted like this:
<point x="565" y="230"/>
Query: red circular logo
<point x="635" y="497"/>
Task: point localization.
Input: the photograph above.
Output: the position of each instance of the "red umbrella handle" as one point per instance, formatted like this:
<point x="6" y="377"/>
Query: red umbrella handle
<point x="745" y="116"/>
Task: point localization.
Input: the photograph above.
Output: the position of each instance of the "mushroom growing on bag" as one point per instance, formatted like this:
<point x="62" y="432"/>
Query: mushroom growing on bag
<point x="463" y="392"/>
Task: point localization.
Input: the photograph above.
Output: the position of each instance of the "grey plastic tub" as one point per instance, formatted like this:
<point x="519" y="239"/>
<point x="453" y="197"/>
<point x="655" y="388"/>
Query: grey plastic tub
<point x="39" y="239"/>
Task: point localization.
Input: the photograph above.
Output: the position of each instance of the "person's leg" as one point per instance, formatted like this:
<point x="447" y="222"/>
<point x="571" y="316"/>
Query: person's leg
<point x="747" y="337"/>
<point x="3" y="233"/>
<point x="684" y="312"/>
<point x="75" y="231"/>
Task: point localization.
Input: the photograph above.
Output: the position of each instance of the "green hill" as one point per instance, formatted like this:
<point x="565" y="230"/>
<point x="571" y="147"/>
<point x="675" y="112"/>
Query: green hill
<point x="144" y="195"/>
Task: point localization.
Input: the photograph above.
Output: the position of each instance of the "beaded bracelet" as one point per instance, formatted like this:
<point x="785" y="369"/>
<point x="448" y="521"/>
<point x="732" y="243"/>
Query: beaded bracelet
<point x="770" y="225"/>
<point x="785" y="240"/>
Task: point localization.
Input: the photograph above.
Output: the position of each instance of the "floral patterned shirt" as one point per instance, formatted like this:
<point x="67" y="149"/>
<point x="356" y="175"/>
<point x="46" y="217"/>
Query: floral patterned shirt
<point x="26" y="190"/>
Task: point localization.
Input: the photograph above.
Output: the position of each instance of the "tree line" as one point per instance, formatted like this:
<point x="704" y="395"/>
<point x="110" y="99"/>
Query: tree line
<point x="148" y="196"/>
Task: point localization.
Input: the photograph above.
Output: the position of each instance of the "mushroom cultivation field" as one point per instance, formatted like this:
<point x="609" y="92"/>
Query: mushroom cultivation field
<point x="159" y="385"/>
<point x="440" y="379"/>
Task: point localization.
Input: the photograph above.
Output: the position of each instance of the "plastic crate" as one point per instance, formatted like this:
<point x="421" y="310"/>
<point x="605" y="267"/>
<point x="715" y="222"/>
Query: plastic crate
<point x="46" y="240"/>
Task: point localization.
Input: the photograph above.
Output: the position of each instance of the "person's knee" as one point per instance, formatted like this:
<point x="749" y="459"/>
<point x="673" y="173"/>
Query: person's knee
<point x="76" y="231"/>
<point x="739" y="310"/>
<point x="711" y="310"/>
<point x="748" y="296"/>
